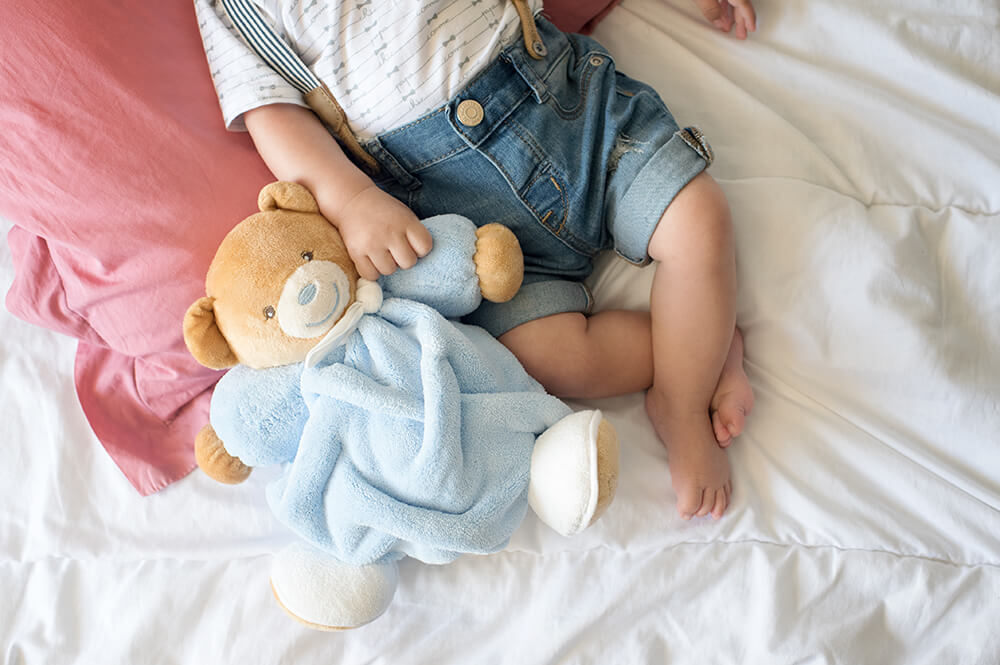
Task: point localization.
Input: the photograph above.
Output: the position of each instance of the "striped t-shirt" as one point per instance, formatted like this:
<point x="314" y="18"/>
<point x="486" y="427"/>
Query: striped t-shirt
<point x="386" y="62"/>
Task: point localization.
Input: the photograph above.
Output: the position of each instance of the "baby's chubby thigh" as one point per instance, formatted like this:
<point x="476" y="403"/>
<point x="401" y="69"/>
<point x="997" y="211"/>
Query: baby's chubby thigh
<point x="576" y="356"/>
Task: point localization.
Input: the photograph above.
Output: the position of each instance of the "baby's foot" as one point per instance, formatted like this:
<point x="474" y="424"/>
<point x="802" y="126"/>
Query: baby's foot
<point x="698" y="465"/>
<point x="733" y="398"/>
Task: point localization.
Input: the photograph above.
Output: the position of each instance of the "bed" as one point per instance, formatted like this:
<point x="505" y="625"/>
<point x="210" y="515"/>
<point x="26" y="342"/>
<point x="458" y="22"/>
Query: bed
<point x="859" y="146"/>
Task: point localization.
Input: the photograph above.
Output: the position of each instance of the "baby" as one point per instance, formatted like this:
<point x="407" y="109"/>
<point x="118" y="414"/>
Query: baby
<point x="484" y="108"/>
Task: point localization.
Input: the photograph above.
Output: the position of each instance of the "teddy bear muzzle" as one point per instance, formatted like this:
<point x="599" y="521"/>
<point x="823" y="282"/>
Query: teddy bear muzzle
<point x="313" y="299"/>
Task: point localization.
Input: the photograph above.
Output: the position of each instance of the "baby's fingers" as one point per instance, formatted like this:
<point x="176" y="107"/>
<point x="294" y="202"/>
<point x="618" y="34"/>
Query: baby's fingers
<point x="403" y="254"/>
<point x="366" y="268"/>
<point x="716" y="12"/>
<point x="745" y="17"/>
<point x="383" y="262"/>
<point x="420" y="239"/>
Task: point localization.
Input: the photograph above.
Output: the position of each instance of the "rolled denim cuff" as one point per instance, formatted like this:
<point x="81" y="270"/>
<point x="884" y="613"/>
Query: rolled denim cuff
<point x="535" y="300"/>
<point x="666" y="173"/>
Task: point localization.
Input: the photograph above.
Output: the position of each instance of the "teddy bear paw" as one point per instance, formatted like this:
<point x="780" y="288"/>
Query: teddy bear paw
<point x="499" y="262"/>
<point x="574" y="472"/>
<point x="325" y="594"/>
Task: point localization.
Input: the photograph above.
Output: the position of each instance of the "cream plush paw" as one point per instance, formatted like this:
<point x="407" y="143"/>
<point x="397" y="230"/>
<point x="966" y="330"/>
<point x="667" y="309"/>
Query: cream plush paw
<point x="574" y="472"/>
<point x="325" y="594"/>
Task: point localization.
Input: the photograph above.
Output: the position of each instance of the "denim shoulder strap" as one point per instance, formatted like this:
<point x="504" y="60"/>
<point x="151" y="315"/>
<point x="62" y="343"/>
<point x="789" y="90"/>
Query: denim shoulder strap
<point x="274" y="51"/>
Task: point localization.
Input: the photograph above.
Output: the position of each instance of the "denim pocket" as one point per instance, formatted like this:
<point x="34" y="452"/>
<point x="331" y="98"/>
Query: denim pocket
<point x="568" y="84"/>
<point x="547" y="198"/>
<point x="535" y="179"/>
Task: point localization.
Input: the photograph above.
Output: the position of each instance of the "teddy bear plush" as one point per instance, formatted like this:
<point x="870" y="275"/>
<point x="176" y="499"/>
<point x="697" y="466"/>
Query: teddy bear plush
<point x="400" y="431"/>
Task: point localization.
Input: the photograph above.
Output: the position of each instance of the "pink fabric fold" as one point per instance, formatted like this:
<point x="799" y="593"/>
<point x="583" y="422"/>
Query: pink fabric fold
<point x="121" y="180"/>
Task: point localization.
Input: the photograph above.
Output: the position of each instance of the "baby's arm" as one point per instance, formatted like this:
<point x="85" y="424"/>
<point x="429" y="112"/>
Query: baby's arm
<point x="381" y="234"/>
<point x="724" y="14"/>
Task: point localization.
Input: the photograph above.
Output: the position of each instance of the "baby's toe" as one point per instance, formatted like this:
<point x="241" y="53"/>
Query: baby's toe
<point x="730" y="416"/>
<point x="689" y="502"/>
<point x="722" y="434"/>
<point x="707" y="503"/>
<point x="721" y="503"/>
<point x="734" y="420"/>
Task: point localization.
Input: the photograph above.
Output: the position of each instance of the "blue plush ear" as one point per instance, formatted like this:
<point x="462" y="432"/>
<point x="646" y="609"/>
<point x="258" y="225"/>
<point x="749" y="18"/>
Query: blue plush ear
<point x="259" y="414"/>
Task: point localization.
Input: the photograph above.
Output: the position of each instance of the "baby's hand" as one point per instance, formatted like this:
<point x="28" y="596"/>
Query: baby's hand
<point x="381" y="234"/>
<point x="724" y="14"/>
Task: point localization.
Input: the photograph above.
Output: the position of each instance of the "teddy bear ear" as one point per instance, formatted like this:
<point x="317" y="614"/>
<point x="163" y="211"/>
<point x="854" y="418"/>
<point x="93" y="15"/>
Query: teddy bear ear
<point x="286" y="196"/>
<point x="204" y="339"/>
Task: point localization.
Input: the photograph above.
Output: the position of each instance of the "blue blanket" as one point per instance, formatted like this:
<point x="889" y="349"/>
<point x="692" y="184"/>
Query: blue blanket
<point x="412" y="437"/>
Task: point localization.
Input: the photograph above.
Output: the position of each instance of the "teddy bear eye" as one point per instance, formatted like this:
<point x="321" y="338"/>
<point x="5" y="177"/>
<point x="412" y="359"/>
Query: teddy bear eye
<point x="308" y="256"/>
<point x="268" y="312"/>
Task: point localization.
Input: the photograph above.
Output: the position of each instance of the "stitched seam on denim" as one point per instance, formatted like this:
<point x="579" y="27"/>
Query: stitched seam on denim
<point x="651" y="96"/>
<point x="572" y="241"/>
<point x="576" y="111"/>
<point x="390" y="165"/>
<point x="565" y="205"/>
<point x="541" y="157"/>
<point x="519" y="63"/>
<point x="555" y="62"/>
<point x="567" y="237"/>
<point x="543" y="220"/>
<point x="534" y="211"/>
<point x="541" y="174"/>
<point x="525" y="136"/>
<point x="507" y="176"/>
<point x="440" y="109"/>
<point x="435" y="160"/>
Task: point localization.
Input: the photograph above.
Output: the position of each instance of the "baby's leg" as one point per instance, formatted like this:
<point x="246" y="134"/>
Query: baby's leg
<point x="692" y="307"/>
<point x="609" y="354"/>
<point x="684" y="351"/>
<point x="579" y="357"/>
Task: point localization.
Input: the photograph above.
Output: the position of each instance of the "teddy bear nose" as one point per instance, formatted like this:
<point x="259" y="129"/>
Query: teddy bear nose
<point x="307" y="294"/>
<point x="312" y="299"/>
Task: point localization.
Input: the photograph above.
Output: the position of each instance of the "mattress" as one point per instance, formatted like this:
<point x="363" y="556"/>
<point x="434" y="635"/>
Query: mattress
<point x="859" y="146"/>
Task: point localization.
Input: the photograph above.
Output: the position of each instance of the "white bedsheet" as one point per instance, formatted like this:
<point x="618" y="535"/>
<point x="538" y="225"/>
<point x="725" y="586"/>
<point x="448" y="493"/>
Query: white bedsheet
<point x="859" y="145"/>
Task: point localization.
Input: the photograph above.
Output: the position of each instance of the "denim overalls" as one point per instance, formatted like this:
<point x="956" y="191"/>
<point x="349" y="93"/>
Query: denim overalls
<point x="573" y="156"/>
<point x="549" y="140"/>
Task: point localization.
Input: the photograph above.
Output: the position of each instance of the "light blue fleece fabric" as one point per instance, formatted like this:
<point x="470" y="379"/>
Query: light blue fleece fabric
<point x="413" y="438"/>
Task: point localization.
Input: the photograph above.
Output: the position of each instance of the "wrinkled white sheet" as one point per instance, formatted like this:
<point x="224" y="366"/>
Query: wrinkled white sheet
<point x="859" y="144"/>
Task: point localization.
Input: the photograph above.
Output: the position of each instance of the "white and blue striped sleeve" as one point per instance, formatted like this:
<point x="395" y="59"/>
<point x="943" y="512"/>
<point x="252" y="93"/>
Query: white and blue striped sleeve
<point x="243" y="81"/>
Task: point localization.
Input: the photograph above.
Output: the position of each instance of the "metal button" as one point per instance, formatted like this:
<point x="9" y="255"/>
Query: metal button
<point x="470" y="113"/>
<point x="596" y="60"/>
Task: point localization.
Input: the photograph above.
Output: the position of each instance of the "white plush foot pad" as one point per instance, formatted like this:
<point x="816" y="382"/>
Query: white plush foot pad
<point x="325" y="594"/>
<point x="564" y="486"/>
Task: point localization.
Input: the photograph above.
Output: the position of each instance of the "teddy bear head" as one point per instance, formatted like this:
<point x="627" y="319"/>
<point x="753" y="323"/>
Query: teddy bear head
<point x="279" y="282"/>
